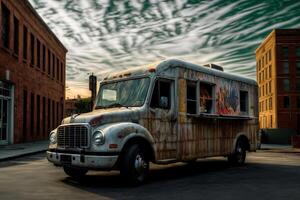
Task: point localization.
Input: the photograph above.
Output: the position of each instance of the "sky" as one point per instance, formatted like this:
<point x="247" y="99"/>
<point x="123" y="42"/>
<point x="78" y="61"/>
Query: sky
<point x="103" y="36"/>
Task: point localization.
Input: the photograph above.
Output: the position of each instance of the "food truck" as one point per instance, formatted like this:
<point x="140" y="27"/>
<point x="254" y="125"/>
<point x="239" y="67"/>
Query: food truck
<point x="171" y="111"/>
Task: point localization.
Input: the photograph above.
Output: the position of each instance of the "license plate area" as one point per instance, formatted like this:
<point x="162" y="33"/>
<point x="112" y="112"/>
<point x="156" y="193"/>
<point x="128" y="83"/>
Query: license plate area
<point x="66" y="159"/>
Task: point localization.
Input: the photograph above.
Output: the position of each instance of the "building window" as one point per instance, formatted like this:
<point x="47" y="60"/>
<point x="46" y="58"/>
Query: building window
<point x="270" y="87"/>
<point x="263" y="90"/>
<point x="285" y="52"/>
<point x="49" y="62"/>
<point x="244" y="101"/>
<point x="161" y="96"/>
<point x="191" y="98"/>
<point x="38" y="113"/>
<point x="24" y="42"/>
<point x="32" y="113"/>
<point x="53" y="115"/>
<point x="44" y="115"/>
<point x="16" y="36"/>
<point x="57" y="69"/>
<point x="206" y="98"/>
<point x="270" y="103"/>
<point x="32" y="48"/>
<point x="298" y="67"/>
<point x="49" y="116"/>
<point x="24" y="113"/>
<point x="298" y="101"/>
<point x="53" y="65"/>
<point x="5" y="25"/>
<point x="285" y="66"/>
<point x="286" y="101"/>
<point x="270" y="55"/>
<point x="286" y="84"/>
<point x="270" y="71"/>
<point x="298" y="84"/>
<point x="298" y="52"/>
<point x="61" y="72"/>
<point x="271" y="121"/>
<point x="38" y="49"/>
<point x="44" y="58"/>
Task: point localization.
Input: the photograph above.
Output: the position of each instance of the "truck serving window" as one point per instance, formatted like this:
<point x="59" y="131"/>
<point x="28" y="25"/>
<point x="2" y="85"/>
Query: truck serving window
<point x="206" y="98"/>
<point x="126" y="93"/>
<point x="191" y="98"/>
<point x="161" y="96"/>
<point x="244" y="101"/>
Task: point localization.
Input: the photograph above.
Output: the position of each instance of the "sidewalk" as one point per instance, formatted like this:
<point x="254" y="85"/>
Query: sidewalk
<point x="279" y="148"/>
<point x="17" y="150"/>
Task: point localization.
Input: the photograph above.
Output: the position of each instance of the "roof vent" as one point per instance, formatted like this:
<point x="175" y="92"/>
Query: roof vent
<point x="213" y="66"/>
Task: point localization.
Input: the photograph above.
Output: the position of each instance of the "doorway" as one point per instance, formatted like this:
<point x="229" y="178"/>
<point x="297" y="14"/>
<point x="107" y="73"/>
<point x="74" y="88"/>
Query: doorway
<point x="5" y="113"/>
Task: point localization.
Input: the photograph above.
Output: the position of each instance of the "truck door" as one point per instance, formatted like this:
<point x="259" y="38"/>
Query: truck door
<point x="163" y="119"/>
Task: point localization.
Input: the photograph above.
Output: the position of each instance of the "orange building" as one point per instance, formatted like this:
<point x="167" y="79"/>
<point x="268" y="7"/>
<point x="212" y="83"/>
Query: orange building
<point x="278" y="77"/>
<point x="32" y="74"/>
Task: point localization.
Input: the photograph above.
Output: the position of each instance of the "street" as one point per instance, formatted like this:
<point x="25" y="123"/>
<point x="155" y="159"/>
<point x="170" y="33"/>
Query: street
<point x="267" y="175"/>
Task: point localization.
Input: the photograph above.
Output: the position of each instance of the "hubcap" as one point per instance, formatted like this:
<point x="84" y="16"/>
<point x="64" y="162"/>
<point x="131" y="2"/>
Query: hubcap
<point x="140" y="164"/>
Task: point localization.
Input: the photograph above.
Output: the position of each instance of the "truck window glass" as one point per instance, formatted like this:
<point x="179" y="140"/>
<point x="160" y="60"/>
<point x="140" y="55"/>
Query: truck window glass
<point x="127" y="93"/>
<point x="161" y="96"/>
<point x="191" y="98"/>
<point x="206" y="98"/>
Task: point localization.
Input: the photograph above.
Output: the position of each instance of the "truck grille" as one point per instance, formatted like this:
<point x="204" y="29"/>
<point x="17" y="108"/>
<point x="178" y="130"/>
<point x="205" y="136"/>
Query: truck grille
<point x="72" y="136"/>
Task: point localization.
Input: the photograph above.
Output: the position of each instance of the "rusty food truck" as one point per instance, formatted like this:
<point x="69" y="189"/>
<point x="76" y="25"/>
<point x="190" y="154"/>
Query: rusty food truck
<point x="171" y="111"/>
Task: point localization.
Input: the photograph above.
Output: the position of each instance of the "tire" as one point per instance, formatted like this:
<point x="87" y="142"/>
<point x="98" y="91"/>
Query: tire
<point x="239" y="155"/>
<point x="76" y="173"/>
<point x="134" y="165"/>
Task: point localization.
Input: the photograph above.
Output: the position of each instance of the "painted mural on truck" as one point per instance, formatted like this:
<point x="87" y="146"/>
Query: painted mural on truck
<point x="227" y="98"/>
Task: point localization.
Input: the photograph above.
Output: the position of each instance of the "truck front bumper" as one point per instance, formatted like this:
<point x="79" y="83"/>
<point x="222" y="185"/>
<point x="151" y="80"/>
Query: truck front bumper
<point x="101" y="162"/>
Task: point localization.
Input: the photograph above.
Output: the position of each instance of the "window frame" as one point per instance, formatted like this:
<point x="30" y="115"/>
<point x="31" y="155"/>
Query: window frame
<point x="172" y="98"/>
<point x="246" y="112"/>
<point x="196" y="100"/>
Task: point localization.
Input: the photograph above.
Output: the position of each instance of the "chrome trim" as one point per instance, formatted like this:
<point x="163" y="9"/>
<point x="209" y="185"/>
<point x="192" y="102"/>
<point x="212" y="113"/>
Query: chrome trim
<point x="88" y="134"/>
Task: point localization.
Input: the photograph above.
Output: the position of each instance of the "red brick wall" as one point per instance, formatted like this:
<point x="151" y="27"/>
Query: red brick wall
<point x="32" y="78"/>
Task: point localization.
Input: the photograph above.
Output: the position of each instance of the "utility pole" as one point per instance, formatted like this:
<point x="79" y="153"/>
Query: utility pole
<point x="93" y="88"/>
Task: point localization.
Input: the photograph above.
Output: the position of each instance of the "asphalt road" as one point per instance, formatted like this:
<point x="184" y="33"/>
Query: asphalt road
<point x="267" y="175"/>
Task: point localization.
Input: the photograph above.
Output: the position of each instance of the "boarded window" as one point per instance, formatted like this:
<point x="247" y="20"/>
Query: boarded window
<point x="161" y="96"/>
<point x="5" y="25"/>
<point x="244" y="101"/>
<point x="191" y="98"/>
<point x="206" y="98"/>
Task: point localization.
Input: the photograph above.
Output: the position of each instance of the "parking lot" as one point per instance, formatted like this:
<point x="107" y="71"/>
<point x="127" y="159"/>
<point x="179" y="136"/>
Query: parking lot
<point x="268" y="174"/>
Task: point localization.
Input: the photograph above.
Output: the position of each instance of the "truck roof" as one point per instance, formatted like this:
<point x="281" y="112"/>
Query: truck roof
<point x="160" y="67"/>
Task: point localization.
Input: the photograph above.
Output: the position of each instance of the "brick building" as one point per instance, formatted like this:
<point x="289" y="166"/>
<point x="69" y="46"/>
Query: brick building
<point x="278" y="77"/>
<point x="32" y="74"/>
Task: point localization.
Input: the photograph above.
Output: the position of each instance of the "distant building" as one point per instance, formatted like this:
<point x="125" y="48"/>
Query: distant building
<point x="32" y="74"/>
<point x="278" y="77"/>
<point x="70" y="107"/>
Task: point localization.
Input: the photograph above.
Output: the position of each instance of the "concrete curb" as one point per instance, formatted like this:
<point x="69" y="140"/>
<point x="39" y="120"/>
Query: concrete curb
<point x="21" y="155"/>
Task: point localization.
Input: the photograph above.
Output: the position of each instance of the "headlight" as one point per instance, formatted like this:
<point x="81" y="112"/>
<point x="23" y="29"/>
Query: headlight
<point x="98" y="138"/>
<point x="53" y="138"/>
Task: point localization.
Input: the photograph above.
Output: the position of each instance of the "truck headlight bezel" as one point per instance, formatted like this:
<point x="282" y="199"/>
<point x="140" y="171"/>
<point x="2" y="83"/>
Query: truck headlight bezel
<point x="53" y="138"/>
<point x="98" y="138"/>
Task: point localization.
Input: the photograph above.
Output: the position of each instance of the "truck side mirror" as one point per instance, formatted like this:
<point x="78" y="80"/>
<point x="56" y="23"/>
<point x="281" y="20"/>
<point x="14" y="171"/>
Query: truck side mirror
<point x="163" y="102"/>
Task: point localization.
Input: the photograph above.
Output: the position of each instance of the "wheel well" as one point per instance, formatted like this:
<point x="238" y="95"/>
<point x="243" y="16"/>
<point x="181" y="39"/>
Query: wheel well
<point x="245" y="141"/>
<point x="143" y="143"/>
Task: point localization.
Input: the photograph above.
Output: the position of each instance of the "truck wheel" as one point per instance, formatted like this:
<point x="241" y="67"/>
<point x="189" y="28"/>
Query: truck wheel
<point x="75" y="172"/>
<point x="134" y="165"/>
<point x="239" y="155"/>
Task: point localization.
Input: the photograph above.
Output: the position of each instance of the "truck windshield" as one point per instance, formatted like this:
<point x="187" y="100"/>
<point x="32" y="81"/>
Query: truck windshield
<point x="129" y="93"/>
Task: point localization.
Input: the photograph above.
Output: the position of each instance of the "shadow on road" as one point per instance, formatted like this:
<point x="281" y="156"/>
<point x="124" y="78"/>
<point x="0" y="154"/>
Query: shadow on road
<point x="158" y="173"/>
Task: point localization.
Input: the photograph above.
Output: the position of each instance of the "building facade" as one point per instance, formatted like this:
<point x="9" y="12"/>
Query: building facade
<point x="278" y="77"/>
<point x="32" y="74"/>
